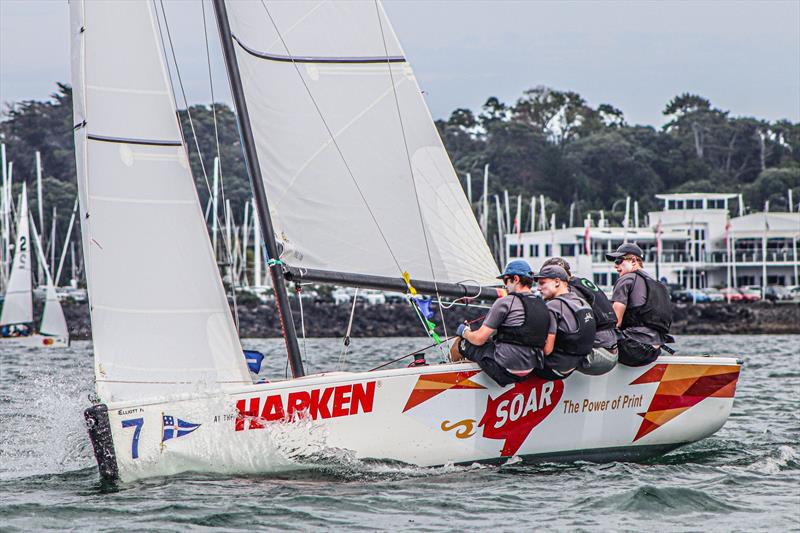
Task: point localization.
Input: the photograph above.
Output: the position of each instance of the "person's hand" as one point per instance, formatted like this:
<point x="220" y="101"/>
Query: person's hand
<point x="461" y="329"/>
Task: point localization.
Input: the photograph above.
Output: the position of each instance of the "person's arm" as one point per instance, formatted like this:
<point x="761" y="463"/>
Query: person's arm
<point x="619" y="299"/>
<point x="549" y="344"/>
<point x="619" y="310"/>
<point x="479" y="336"/>
<point x="552" y="329"/>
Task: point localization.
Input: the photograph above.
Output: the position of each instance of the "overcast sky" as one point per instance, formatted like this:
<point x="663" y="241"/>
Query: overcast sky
<point x="744" y="56"/>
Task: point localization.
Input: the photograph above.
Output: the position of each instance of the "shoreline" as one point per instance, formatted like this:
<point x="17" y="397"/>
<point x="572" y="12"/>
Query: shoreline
<point x="399" y="320"/>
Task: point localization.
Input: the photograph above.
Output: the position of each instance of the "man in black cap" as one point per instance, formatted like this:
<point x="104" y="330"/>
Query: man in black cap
<point x="603" y="358"/>
<point x="571" y="333"/>
<point x="643" y="308"/>
<point x="508" y="345"/>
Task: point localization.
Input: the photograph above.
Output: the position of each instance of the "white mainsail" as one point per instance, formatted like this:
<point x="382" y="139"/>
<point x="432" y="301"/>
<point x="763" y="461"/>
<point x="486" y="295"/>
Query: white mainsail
<point x="18" y="304"/>
<point x="352" y="186"/>
<point x="160" y="319"/>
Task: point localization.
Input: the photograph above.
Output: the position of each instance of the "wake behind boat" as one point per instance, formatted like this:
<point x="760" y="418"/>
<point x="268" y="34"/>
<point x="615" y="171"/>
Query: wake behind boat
<point x="337" y="136"/>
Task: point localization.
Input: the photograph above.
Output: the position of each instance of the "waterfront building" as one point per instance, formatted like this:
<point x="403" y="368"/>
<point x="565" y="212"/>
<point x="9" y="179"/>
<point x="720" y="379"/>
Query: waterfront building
<point x="692" y="241"/>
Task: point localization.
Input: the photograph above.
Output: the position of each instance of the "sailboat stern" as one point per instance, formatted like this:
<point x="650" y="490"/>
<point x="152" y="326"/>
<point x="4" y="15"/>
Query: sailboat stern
<point x="99" y="427"/>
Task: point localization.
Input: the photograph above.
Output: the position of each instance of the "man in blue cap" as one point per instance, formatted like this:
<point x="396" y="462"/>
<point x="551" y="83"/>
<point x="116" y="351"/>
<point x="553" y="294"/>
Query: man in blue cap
<point x="642" y="306"/>
<point x="508" y="345"/>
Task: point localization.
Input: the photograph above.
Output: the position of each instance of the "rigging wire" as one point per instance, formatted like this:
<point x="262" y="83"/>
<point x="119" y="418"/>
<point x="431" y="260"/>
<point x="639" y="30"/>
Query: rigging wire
<point x="226" y="244"/>
<point x="410" y="166"/>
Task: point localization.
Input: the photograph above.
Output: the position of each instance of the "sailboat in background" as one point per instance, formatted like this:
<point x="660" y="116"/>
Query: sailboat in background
<point x="337" y="135"/>
<point x="16" y="318"/>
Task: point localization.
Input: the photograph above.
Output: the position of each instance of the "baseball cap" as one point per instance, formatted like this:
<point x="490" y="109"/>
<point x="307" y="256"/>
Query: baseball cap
<point x="517" y="267"/>
<point x="624" y="249"/>
<point x="552" y="272"/>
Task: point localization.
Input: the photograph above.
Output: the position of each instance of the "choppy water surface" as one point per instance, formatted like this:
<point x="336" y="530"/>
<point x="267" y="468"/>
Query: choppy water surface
<point x="744" y="478"/>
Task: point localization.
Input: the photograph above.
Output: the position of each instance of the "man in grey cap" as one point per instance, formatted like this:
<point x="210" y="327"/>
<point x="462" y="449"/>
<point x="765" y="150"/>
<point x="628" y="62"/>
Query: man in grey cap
<point x="508" y="345"/>
<point x="603" y="358"/>
<point x="643" y="308"/>
<point x="572" y="326"/>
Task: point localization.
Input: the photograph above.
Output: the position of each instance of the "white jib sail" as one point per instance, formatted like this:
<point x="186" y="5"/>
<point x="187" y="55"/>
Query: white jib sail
<point x="161" y="324"/>
<point x="53" y="322"/>
<point x="347" y="146"/>
<point x="18" y="303"/>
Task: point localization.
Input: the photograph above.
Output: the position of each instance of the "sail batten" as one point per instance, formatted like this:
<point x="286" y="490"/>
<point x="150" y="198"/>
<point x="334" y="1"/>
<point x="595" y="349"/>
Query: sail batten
<point x="157" y="303"/>
<point x="352" y="188"/>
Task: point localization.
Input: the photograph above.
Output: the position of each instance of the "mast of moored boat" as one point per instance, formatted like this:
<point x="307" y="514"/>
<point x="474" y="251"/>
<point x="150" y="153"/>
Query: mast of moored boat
<point x="259" y="195"/>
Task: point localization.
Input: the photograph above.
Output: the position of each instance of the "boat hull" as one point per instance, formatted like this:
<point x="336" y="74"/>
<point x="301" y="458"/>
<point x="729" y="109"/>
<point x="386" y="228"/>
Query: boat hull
<point x="35" y="341"/>
<point x="424" y="416"/>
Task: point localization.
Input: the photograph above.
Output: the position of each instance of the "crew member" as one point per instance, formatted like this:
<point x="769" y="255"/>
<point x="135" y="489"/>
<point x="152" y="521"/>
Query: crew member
<point x="604" y="354"/>
<point x="642" y="306"/>
<point x="508" y="345"/>
<point x="571" y="332"/>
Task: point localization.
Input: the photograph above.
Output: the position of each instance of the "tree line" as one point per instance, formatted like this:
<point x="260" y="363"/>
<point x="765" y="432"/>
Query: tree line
<point x="549" y="142"/>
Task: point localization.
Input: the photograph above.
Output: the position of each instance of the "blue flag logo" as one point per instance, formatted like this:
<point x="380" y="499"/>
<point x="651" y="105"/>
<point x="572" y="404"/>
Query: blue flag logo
<point x="175" y="427"/>
<point x="254" y="360"/>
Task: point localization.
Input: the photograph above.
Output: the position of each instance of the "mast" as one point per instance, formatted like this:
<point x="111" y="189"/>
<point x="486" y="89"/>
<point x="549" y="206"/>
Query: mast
<point x="259" y="195"/>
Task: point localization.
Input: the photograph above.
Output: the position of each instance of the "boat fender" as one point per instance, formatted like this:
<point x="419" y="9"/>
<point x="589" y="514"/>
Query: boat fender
<point x="103" y="443"/>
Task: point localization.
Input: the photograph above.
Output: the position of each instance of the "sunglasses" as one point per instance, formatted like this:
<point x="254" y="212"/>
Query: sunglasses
<point x="620" y="260"/>
<point x="507" y="279"/>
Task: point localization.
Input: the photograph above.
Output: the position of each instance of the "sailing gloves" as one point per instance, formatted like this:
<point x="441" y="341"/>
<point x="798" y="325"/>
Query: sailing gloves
<point x="461" y="328"/>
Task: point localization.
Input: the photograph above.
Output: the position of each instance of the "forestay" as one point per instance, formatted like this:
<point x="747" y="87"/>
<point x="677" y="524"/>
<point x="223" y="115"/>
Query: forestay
<point x="18" y="303"/>
<point x="347" y="146"/>
<point x="160" y="320"/>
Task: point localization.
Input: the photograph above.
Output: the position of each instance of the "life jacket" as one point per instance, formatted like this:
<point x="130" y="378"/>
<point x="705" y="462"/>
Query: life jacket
<point x="604" y="315"/>
<point x="655" y="313"/>
<point x="581" y="341"/>
<point x="533" y="331"/>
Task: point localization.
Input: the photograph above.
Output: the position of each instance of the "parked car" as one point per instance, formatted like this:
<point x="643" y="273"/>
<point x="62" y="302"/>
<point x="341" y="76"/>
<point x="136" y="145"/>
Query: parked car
<point x="695" y="296"/>
<point x="342" y="296"/>
<point x="714" y="295"/>
<point x="735" y="294"/>
<point x="795" y="292"/>
<point x="775" y="293"/>
<point x="394" y="297"/>
<point x="750" y="294"/>
<point x="372" y="297"/>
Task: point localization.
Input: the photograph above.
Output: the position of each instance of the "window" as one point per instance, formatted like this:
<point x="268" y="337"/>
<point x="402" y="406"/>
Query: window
<point x="614" y="277"/>
<point x="672" y="204"/>
<point x="716" y="204"/>
<point x="600" y="278"/>
<point x="548" y="249"/>
<point x="567" y="250"/>
<point x="534" y="250"/>
<point x="514" y="250"/>
<point x="745" y="280"/>
<point x="694" y="204"/>
<point x="679" y="204"/>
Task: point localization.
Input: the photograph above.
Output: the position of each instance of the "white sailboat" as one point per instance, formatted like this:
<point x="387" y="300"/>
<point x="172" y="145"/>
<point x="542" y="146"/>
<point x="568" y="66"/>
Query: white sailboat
<point x="16" y="318"/>
<point x="337" y="136"/>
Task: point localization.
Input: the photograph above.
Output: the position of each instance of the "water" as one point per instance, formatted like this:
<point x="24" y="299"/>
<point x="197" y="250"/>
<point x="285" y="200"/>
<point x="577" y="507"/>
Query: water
<point x="744" y="478"/>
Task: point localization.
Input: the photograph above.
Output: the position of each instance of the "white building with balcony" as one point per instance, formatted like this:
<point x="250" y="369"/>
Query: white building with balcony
<point x="691" y="242"/>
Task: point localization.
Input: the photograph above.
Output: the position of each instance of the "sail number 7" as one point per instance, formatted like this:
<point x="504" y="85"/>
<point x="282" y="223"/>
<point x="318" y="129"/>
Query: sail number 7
<point x="135" y="423"/>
